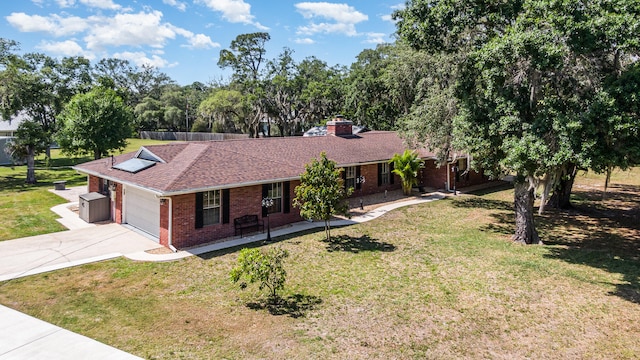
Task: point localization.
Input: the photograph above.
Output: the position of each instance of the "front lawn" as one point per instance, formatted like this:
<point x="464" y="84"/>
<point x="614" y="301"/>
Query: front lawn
<point x="438" y="280"/>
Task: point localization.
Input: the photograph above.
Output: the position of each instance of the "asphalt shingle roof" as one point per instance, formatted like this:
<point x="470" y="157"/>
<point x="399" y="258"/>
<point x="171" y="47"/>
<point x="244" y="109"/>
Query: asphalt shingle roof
<point x="195" y="166"/>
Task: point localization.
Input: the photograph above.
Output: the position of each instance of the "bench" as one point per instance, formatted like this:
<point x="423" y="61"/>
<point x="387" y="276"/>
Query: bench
<point x="247" y="222"/>
<point x="59" y="185"/>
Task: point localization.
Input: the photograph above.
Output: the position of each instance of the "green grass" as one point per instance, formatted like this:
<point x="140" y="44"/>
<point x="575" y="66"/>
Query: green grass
<point x="439" y="280"/>
<point x="25" y="208"/>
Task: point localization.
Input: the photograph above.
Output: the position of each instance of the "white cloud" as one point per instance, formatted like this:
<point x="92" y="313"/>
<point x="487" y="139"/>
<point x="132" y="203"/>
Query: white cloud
<point x="140" y="58"/>
<point x="101" y="32"/>
<point x="54" y="24"/>
<point x="201" y="41"/>
<point x="129" y="29"/>
<point x="387" y="17"/>
<point x="341" y="18"/>
<point x="64" y="48"/>
<point x="65" y="3"/>
<point x="234" y="11"/>
<point x="196" y="41"/>
<point x="375" y="38"/>
<point x="177" y="4"/>
<point x="327" y="28"/>
<point x="101" y="4"/>
<point x="341" y="13"/>
<point x="304" y="41"/>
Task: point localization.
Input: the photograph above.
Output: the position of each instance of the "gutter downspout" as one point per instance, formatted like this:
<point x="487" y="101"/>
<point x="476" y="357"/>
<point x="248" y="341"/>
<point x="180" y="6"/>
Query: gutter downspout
<point x="448" y="189"/>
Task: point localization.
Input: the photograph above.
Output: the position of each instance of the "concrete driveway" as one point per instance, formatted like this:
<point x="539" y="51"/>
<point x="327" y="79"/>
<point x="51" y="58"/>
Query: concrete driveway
<point x="42" y="253"/>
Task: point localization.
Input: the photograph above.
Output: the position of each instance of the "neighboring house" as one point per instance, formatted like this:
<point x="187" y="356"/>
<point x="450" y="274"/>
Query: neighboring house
<point x="188" y="193"/>
<point x="5" y="159"/>
<point x="9" y="127"/>
<point x="7" y="132"/>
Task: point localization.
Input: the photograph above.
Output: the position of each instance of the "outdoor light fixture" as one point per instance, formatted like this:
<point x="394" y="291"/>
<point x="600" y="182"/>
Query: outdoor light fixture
<point x="360" y="180"/>
<point x="267" y="203"/>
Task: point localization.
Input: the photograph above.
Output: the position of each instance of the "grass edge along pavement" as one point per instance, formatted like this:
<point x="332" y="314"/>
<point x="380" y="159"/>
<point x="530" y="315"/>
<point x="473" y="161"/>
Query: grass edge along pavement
<point x="26" y="208"/>
<point x="436" y="280"/>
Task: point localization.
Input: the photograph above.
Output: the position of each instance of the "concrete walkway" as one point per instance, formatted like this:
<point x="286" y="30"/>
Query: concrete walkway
<point x="25" y="337"/>
<point x="48" y="252"/>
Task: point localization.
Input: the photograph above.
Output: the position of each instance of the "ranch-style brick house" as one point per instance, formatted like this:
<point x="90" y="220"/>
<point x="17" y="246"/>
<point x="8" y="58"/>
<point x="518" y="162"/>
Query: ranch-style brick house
<point x="189" y="193"/>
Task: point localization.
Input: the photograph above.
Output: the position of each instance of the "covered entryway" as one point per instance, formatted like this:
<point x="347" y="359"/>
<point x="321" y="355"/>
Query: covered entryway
<point x="142" y="210"/>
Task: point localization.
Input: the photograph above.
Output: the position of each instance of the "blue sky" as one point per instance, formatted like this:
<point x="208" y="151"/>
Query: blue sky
<point x="183" y="38"/>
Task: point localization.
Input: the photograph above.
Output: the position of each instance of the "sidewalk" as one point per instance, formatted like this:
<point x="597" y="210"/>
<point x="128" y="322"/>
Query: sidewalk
<point x="25" y="337"/>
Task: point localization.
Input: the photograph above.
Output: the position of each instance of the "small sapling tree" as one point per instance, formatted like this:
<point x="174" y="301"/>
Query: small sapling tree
<point x="263" y="267"/>
<point x="321" y="193"/>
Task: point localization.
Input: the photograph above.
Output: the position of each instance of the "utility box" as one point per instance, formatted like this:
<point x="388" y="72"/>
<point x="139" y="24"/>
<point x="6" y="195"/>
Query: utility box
<point x="93" y="207"/>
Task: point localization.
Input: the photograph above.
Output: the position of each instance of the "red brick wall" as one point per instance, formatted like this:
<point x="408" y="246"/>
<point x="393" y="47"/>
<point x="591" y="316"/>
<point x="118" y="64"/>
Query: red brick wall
<point x="164" y="222"/>
<point x="118" y="214"/>
<point x="435" y="177"/>
<point x="370" y="186"/>
<point x="432" y="176"/>
<point x="243" y="201"/>
<point x="94" y="183"/>
<point x="472" y="178"/>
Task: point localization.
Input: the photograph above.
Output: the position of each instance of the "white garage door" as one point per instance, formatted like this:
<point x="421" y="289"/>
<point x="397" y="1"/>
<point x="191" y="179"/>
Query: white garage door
<point x="142" y="210"/>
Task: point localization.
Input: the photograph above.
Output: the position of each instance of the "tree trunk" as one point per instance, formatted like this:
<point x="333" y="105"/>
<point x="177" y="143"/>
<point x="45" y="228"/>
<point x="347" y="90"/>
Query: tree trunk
<point x="561" y="197"/>
<point x="31" y="166"/>
<point x="327" y="229"/>
<point x="524" y="196"/>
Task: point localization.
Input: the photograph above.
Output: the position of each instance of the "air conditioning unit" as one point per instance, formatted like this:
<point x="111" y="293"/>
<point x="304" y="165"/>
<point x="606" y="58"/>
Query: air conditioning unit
<point x="94" y="207"/>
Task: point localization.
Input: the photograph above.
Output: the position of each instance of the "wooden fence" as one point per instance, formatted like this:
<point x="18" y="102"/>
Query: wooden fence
<point x="190" y="136"/>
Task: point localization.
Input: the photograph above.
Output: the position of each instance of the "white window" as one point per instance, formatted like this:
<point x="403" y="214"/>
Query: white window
<point x="350" y="177"/>
<point x="384" y="173"/>
<point x="211" y="207"/>
<point x="275" y="193"/>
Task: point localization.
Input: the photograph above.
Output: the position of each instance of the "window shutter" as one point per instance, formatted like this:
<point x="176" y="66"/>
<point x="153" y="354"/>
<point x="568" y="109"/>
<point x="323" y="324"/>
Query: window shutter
<point x="379" y="174"/>
<point x="344" y="177"/>
<point x="225" y="206"/>
<point x="199" y="212"/>
<point x="391" y="174"/>
<point x="265" y="193"/>
<point x="286" y="197"/>
<point x="358" y="184"/>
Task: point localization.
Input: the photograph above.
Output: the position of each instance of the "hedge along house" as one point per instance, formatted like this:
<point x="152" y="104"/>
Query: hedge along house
<point x="188" y="193"/>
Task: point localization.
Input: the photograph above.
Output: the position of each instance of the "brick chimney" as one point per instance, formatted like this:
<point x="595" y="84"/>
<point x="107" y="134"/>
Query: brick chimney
<point x="339" y="126"/>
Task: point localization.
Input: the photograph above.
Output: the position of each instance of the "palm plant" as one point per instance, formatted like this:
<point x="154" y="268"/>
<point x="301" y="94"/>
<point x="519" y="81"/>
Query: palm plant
<point x="406" y="166"/>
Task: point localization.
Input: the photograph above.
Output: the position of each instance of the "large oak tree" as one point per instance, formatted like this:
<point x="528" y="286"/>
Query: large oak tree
<point x="531" y="74"/>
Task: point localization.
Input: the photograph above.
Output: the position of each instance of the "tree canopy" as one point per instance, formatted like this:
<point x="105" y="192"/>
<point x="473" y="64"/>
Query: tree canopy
<point x="95" y="123"/>
<point x="531" y="73"/>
